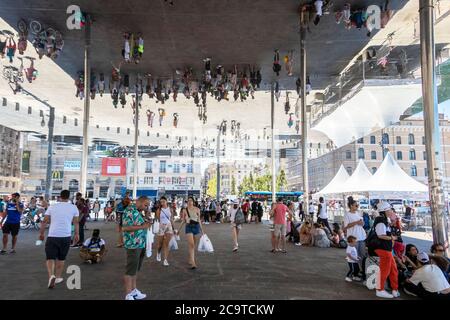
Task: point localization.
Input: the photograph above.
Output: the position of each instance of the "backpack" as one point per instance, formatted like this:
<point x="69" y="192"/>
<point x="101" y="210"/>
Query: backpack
<point x="372" y="241"/>
<point x="239" y="217"/>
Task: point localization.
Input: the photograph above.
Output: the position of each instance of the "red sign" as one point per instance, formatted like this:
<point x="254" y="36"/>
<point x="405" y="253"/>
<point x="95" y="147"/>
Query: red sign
<point x="114" y="167"/>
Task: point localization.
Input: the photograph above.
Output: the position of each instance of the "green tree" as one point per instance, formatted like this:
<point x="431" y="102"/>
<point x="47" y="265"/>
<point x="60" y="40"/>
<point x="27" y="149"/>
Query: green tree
<point x="233" y="185"/>
<point x="212" y="187"/>
<point x="281" y="181"/>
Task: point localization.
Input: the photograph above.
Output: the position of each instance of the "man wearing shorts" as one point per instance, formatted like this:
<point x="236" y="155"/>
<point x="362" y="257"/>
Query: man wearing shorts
<point x="60" y="216"/>
<point x="134" y="229"/>
<point x="14" y="209"/>
<point x="279" y="214"/>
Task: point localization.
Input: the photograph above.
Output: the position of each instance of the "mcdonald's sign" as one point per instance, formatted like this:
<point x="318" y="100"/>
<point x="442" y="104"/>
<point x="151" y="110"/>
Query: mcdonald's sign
<point x="57" y="175"/>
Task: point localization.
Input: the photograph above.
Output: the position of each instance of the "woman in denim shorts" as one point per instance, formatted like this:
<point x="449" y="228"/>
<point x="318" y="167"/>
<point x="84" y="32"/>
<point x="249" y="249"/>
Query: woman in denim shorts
<point x="191" y="217"/>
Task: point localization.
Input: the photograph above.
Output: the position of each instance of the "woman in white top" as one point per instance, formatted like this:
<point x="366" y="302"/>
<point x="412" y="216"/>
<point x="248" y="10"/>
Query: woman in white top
<point x="165" y="217"/>
<point x="234" y="226"/>
<point x="353" y="226"/>
<point x="191" y="217"/>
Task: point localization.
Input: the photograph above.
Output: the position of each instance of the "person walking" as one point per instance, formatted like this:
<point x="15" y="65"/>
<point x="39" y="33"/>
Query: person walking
<point x="382" y="244"/>
<point x="279" y="213"/>
<point x="13" y="209"/>
<point x="96" y="209"/>
<point x="165" y="217"/>
<point x="353" y="226"/>
<point x="246" y="209"/>
<point x="61" y="216"/>
<point x="190" y="216"/>
<point x="134" y="238"/>
<point x="237" y="219"/>
<point x="119" y="209"/>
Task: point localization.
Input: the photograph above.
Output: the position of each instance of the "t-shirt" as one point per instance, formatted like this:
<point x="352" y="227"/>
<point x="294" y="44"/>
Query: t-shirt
<point x="352" y="252"/>
<point x="61" y="217"/>
<point x="165" y="215"/>
<point x="431" y="277"/>
<point x="2" y="206"/>
<point x="357" y="231"/>
<point x="12" y="214"/>
<point x="94" y="245"/>
<point x="323" y="211"/>
<point x="134" y="239"/>
<point x="280" y="213"/>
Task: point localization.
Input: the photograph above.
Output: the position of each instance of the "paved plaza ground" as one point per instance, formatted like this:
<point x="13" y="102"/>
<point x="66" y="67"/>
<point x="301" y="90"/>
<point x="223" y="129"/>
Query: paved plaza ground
<point x="252" y="273"/>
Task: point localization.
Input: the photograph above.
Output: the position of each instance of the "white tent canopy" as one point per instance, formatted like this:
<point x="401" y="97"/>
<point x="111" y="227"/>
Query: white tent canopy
<point x="391" y="179"/>
<point x="335" y="185"/>
<point x="358" y="181"/>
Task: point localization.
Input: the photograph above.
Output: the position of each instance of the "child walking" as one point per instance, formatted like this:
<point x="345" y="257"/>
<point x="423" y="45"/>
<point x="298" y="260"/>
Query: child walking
<point x="352" y="260"/>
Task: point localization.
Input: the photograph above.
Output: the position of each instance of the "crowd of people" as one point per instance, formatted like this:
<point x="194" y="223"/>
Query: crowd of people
<point x="401" y="266"/>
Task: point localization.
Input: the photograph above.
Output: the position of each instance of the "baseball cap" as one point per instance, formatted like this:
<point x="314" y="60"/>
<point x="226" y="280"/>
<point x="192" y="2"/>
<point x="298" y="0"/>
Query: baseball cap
<point x="384" y="206"/>
<point x="423" y="257"/>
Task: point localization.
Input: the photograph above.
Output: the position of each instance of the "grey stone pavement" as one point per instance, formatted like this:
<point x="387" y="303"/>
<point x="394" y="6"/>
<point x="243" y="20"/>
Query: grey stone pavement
<point x="252" y="273"/>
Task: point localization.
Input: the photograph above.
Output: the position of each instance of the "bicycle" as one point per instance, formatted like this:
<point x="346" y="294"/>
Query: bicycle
<point x="30" y="218"/>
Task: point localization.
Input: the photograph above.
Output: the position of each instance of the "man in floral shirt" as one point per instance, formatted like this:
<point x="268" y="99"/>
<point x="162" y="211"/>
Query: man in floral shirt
<point x="134" y="239"/>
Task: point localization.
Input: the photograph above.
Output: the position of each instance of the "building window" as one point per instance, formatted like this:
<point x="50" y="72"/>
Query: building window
<point x="425" y="172"/>
<point x="348" y="154"/>
<point x="372" y="140"/>
<point x="361" y="153"/>
<point x="399" y="155"/>
<point x="413" y="171"/>
<point x="176" y="168"/>
<point x="385" y="138"/>
<point x="374" y="169"/>
<point x="425" y="156"/>
<point x="190" y="168"/>
<point x="148" y="166"/>
<point x="148" y="180"/>
<point x="30" y="110"/>
<point x="423" y="140"/>
<point x="398" y="140"/>
<point x="373" y="155"/>
<point x="161" y="180"/>
<point x="349" y="170"/>
<point x="162" y="166"/>
<point x="411" y="139"/>
<point x="412" y="154"/>
<point x="64" y="119"/>
<point x="360" y="140"/>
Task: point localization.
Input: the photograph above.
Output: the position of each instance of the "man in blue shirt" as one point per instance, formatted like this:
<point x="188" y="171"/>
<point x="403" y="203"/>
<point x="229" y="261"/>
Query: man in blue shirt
<point x="14" y="209"/>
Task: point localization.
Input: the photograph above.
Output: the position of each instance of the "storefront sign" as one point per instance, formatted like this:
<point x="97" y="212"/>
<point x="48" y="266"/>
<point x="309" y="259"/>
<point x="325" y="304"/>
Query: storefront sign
<point x="114" y="166"/>
<point x="73" y="166"/>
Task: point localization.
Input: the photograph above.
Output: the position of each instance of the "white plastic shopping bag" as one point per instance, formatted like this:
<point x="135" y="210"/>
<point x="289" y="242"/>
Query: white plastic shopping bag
<point x="173" y="245"/>
<point x="177" y="236"/>
<point x="155" y="227"/>
<point x="205" y="245"/>
<point x="148" y="246"/>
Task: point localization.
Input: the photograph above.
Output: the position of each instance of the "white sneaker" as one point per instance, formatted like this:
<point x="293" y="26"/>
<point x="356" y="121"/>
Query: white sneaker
<point x="158" y="257"/>
<point x="409" y="293"/>
<point x="384" y="294"/>
<point x="356" y="279"/>
<point x="137" y="295"/>
<point x="396" y="294"/>
<point x="298" y="244"/>
<point x="348" y="279"/>
<point x="129" y="297"/>
<point x="165" y="263"/>
<point x="51" y="282"/>
<point x="235" y="249"/>
<point x="59" y="280"/>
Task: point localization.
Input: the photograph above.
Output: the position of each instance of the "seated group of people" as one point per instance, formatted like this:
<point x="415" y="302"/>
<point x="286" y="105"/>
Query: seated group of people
<point x="317" y="235"/>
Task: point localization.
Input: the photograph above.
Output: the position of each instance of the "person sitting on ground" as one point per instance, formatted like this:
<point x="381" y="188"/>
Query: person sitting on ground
<point x="443" y="264"/>
<point x="319" y="236"/>
<point x="305" y="234"/>
<point x="411" y="261"/>
<point x="337" y="237"/>
<point x="428" y="282"/>
<point x="93" y="248"/>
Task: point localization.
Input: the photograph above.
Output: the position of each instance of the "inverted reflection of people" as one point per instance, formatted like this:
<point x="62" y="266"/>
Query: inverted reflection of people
<point x="93" y="248"/>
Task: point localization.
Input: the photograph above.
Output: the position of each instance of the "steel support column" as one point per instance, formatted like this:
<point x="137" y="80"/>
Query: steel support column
<point x="272" y="153"/>
<point x="431" y="122"/>
<point x="218" y="165"/>
<point x="48" y="178"/>
<point x="136" y="146"/>
<point x="87" y="102"/>
<point x="304" y="137"/>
